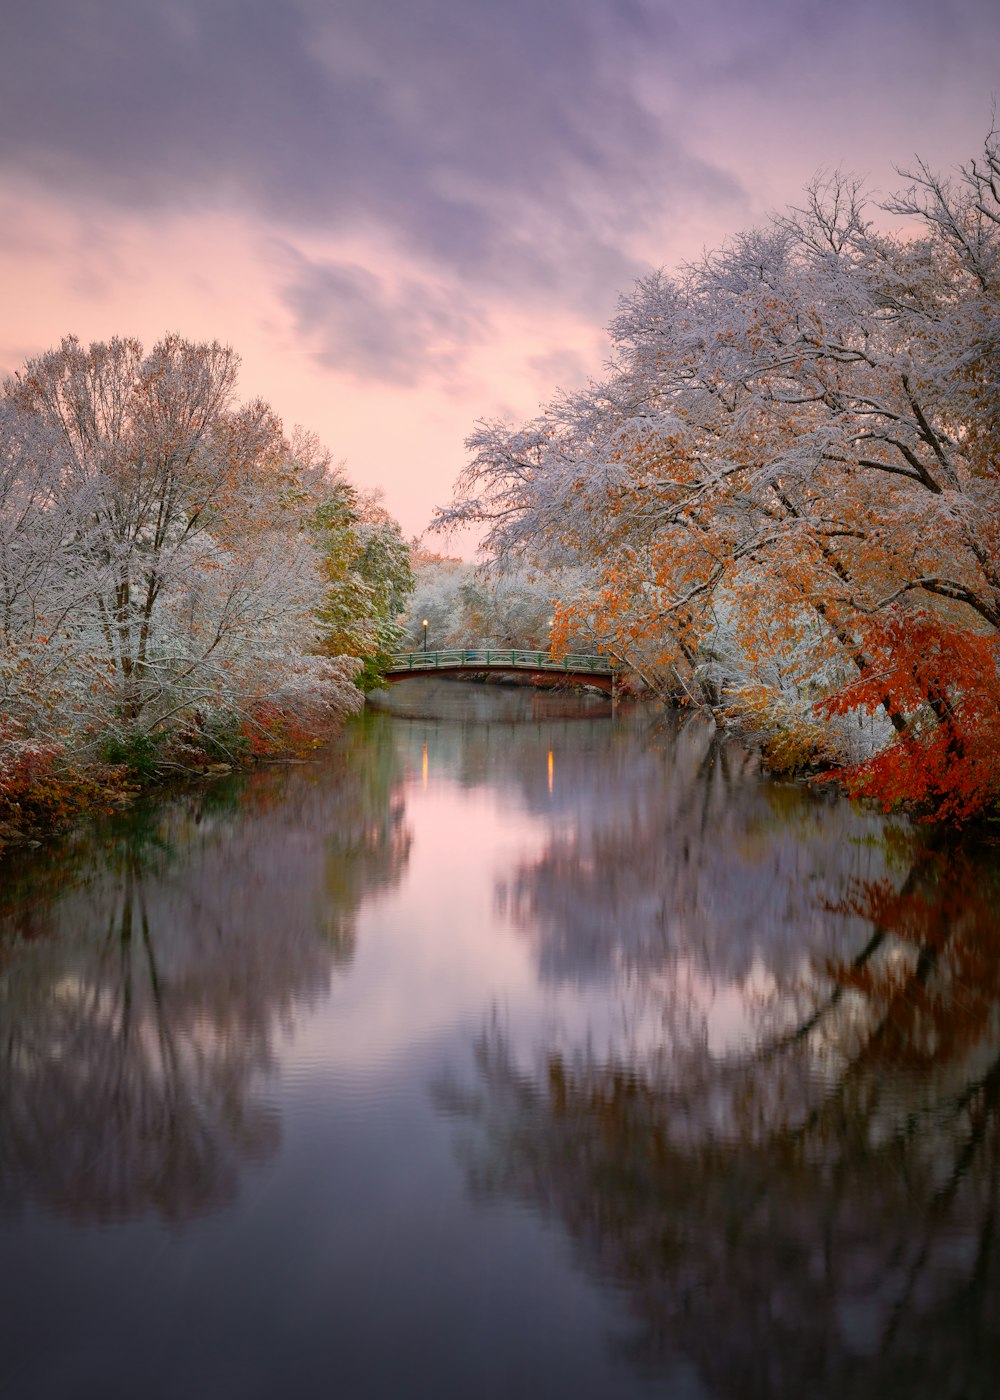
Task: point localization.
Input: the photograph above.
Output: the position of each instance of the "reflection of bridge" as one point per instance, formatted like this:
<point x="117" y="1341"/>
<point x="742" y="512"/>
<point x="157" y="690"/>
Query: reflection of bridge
<point x="534" y="665"/>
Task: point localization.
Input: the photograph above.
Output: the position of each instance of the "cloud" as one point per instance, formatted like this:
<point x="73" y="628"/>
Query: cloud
<point x="395" y="332"/>
<point x="510" y="153"/>
<point x="501" y="142"/>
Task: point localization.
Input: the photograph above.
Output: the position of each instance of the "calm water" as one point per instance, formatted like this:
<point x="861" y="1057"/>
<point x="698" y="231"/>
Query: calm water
<point x="507" y="1048"/>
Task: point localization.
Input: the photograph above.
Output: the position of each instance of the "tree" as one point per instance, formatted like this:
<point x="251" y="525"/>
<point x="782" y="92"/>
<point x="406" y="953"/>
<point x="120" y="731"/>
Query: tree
<point x="155" y="565"/>
<point x="364" y="560"/>
<point x="470" y="606"/>
<point x="797" y="437"/>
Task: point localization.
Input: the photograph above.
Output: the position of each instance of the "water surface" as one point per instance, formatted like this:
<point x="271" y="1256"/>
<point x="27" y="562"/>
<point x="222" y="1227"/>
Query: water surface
<point x="507" y="1045"/>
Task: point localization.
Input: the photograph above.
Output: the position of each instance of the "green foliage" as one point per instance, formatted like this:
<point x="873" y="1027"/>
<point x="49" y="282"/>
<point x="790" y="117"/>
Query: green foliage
<point x="137" y="750"/>
<point x="369" y="576"/>
<point x="222" y="739"/>
<point x="791" y="740"/>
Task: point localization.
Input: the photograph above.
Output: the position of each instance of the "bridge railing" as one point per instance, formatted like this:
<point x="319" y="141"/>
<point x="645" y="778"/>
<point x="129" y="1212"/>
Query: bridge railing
<point x="487" y="657"/>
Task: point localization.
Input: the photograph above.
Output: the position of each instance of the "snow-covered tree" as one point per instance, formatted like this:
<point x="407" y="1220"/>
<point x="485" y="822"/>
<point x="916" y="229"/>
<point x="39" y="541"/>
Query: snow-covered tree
<point x="159" y="558"/>
<point x="471" y="606"/>
<point x="795" y="446"/>
<point x="365" y="564"/>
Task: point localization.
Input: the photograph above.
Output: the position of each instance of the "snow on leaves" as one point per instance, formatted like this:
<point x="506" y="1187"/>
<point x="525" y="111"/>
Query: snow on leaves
<point x="159" y="563"/>
<point x="789" y="477"/>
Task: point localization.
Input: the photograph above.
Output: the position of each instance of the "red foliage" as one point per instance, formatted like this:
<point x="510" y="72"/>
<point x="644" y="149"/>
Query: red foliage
<point x="938" y="1002"/>
<point x="25" y="767"/>
<point x="274" y="729"/>
<point x="39" y="787"/>
<point x="946" y="683"/>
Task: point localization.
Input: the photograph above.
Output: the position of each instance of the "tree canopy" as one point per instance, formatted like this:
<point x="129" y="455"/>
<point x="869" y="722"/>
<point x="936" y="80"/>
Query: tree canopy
<point x="173" y="566"/>
<point x="788" y="477"/>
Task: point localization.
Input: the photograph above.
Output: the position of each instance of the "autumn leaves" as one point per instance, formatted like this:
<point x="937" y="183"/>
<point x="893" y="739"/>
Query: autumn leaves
<point x="788" y="483"/>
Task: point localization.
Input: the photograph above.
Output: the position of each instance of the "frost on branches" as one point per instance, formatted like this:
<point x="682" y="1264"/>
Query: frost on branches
<point x="161" y="577"/>
<point x="467" y="606"/>
<point x="788" y="481"/>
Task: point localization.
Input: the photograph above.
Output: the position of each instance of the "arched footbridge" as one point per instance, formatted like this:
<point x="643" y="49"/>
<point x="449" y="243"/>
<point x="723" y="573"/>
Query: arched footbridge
<point x="575" y="667"/>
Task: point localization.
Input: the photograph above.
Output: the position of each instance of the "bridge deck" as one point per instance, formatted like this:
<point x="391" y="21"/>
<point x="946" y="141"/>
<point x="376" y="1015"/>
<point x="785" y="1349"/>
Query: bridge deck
<point x="573" y="666"/>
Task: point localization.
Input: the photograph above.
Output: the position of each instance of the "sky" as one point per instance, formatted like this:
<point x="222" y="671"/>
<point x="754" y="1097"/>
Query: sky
<point x="409" y="215"/>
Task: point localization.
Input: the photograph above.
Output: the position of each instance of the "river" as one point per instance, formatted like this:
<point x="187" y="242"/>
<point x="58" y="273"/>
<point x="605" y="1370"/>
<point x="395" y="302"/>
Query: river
<point x="511" y="1046"/>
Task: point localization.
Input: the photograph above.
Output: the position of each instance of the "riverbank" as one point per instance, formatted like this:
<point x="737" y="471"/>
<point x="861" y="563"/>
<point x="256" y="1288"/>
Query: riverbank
<point x="45" y="789"/>
<point x="61" y="799"/>
<point x="45" y="792"/>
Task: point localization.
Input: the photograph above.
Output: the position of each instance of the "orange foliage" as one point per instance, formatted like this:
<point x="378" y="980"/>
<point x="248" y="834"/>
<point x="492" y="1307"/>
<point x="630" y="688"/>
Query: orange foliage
<point x="791" y="742"/>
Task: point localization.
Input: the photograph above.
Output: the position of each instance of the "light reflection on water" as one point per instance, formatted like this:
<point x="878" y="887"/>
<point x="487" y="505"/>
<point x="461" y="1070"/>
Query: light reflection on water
<point x="509" y="1043"/>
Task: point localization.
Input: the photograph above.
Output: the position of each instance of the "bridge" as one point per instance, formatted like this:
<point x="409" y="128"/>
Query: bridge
<point x="575" y="667"/>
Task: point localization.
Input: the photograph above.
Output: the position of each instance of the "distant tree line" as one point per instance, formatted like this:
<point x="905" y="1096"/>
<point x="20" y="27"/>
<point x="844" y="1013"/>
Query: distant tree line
<point x="466" y="605"/>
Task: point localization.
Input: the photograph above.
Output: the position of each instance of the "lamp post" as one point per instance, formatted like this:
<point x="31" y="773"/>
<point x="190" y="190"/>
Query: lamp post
<point x="424" y="625"/>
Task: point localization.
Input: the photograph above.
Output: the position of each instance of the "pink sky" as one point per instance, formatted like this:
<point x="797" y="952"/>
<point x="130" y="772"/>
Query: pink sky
<point x="407" y="220"/>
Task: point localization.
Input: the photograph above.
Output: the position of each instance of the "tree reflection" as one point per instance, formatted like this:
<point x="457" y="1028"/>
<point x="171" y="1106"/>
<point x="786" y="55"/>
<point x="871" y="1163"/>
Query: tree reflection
<point x="813" y="1211"/>
<point x="676" y="850"/>
<point x="149" y="965"/>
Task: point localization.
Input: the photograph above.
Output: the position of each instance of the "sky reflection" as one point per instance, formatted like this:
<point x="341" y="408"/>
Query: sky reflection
<point x="584" y="1077"/>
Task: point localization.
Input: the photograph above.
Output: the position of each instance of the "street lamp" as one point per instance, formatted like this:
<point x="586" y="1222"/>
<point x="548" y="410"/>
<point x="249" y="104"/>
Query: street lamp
<point x="424" y="625"/>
